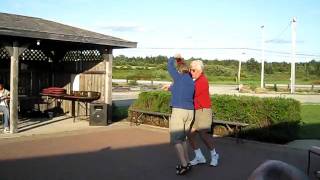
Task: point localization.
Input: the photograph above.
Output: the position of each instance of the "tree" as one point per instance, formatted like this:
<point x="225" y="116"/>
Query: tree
<point x="268" y="68"/>
<point x="253" y="66"/>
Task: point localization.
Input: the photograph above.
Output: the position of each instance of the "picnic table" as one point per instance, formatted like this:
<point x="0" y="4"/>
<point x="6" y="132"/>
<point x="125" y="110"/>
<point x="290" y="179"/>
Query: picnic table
<point x="74" y="97"/>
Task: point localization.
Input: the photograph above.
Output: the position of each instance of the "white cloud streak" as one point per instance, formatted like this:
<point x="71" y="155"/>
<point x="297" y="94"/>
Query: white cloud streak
<point x="281" y="41"/>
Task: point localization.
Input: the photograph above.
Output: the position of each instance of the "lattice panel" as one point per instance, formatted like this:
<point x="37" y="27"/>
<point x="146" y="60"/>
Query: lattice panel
<point x="4" y="54"/>
<point x="72" y="56"/>
<point x="33" y="55"/>
<point x="85" y="55"/>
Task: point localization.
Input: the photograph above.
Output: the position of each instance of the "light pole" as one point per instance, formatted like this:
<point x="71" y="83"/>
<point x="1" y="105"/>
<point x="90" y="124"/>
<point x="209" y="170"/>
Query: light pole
<point x="293" y="55"/>
<point x="239" y="71"/>
<point x="262" y="57"/>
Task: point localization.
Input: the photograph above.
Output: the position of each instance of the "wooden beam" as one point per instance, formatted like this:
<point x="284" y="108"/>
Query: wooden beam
<point x="22" y="48"/>
<point x="94" y="72"/>
<point x="14" y="74"/>
<point x="108" y="58"/>
<point x="14" y="51"/>
<point x="8" y="47"/>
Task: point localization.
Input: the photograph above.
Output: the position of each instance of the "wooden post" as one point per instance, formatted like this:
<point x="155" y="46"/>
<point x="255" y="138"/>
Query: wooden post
<point x="275" y="87"/>
<point x="14" y="50"/>
<point x="14" y="74"/>
<point x="108" y="58"/>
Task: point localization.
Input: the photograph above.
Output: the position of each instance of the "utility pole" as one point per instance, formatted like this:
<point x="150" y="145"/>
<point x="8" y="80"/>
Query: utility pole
<point x="293" y="55"/>
<point x="239" y="71"/>
<point x="262" y="57"/>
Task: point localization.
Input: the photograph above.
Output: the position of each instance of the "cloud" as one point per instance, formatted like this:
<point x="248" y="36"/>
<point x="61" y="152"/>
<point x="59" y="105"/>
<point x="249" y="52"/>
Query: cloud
<point x="192" y="39"/>
<point x="122" y="28"/>
<point x="281" y="41"/>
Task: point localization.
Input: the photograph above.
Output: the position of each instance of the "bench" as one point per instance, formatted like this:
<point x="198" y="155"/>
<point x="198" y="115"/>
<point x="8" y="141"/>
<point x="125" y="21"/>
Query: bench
<point x="139" y="121"/>
<point x="238" y="125"/>
<point x="313" y="150"/>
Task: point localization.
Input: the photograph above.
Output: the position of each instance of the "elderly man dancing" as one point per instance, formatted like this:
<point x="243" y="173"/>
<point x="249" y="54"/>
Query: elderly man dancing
<point x="203" y="115"/>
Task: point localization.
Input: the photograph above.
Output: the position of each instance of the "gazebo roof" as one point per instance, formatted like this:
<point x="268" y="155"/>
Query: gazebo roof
<point x="37" y="28"/>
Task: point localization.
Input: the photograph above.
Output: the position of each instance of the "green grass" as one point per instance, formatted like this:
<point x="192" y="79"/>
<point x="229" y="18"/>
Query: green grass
<point x="310" y="128"/>
<point x="251" y="78"/>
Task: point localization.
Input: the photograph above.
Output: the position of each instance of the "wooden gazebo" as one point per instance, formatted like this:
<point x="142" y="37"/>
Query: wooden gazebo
<point x="36" y="53"/>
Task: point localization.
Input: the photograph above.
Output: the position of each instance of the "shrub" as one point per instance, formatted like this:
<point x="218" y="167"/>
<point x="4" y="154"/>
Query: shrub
<point x="156" y="101"/>
<point x="237" y="108"/>
<point x="317" y="82"/>
<point x="279" y="110"/>
<point x="270" y="119"/>
<point x="218" y="70"/>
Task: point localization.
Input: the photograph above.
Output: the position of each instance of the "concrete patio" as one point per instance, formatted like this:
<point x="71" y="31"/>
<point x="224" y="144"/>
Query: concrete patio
<point x="67" y="150"/>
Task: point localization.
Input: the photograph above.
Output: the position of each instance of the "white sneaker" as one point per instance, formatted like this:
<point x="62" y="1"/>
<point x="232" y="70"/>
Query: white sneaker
<point x="6" y="130"/>
<point x="198" y="160"/>
<point x="214" y="160"/>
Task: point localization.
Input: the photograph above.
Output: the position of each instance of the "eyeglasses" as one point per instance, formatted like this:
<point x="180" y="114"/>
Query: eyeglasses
<point x="192" y="70"/>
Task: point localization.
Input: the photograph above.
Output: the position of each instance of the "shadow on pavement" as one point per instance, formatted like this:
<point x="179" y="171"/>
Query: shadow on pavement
<point x="132" y="153"/>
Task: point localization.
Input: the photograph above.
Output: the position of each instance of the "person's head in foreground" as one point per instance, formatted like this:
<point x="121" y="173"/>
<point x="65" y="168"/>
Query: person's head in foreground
<point x="277" y="170"/>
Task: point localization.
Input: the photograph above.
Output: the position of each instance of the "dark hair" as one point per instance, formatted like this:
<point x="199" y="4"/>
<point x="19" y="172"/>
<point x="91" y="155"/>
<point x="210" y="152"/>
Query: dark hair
<point x="1" y="82"/>
<point x="183" y="68"/>
<point x="274" y="169"/>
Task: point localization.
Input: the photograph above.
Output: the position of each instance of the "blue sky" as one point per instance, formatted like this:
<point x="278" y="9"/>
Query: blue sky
<point x="187" y="26"/>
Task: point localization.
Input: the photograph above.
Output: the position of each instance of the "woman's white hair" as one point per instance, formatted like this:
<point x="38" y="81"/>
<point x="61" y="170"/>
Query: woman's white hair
<point x="197" y="64"/>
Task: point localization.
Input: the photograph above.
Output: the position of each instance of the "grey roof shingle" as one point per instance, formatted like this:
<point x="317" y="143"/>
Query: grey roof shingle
<point x="32" y="27"/>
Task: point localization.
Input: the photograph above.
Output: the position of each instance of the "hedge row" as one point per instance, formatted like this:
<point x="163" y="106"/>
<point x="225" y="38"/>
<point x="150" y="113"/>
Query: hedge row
<point x="271" y="119"/>
<point x="155" y="101"/>
<point x="256" y="111"/>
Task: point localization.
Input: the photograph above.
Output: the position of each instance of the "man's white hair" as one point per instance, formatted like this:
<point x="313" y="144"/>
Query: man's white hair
<point x="197" y="64"/>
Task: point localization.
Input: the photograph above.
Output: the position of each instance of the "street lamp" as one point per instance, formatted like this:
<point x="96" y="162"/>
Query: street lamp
<point x="239" y="71"/>
<point x="262" y="57"/>
<point x="293" y="55"/>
